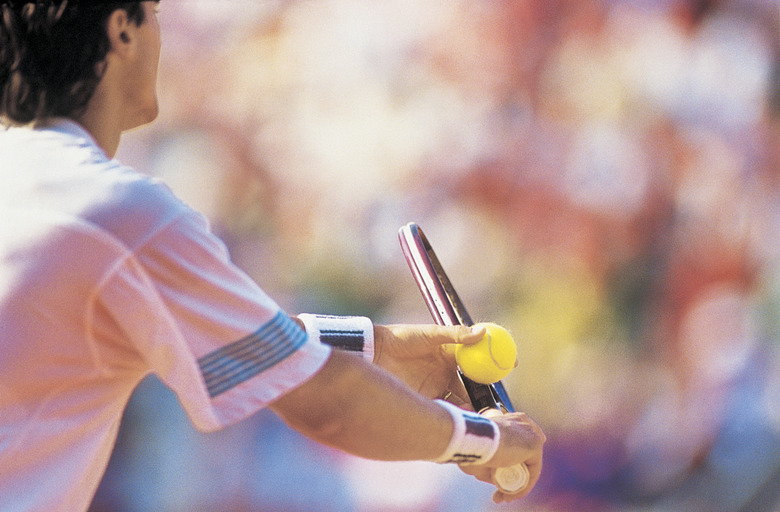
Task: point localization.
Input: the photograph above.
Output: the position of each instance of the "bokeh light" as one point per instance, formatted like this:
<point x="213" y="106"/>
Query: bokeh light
<point x="599" y="176"/>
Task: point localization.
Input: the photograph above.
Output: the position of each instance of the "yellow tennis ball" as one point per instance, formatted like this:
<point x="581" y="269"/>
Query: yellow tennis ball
<point x="491" y="358"/>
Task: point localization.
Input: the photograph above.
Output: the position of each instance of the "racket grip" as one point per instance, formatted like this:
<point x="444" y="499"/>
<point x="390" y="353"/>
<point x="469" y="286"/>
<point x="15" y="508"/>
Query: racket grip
<point x="512" y="479"/>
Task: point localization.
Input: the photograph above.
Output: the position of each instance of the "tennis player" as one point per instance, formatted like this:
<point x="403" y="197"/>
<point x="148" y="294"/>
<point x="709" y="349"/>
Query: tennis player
<point x="106" y="277"/>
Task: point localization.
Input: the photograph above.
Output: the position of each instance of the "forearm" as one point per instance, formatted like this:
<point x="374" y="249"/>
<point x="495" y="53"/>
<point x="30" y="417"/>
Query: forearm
<point x="362" y="410"/>
<point x="380" y="410"/>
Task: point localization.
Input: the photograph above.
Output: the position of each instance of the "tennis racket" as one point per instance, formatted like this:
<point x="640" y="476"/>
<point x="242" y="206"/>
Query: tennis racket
<point x="447" y="309"/>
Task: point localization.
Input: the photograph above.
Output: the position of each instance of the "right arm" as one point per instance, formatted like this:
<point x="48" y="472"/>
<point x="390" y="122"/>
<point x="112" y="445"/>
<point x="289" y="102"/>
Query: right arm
<point x="356" y="407"/>
<point x="363" y="410"/>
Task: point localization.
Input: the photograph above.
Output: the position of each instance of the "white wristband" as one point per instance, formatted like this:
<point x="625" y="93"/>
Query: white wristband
<point x="349" y="333"/>
<point x="474" y="438"/>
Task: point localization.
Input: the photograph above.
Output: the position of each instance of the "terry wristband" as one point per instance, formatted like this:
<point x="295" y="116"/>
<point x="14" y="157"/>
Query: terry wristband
<point x="348" y="333"/>
<point x="474" y="438"/>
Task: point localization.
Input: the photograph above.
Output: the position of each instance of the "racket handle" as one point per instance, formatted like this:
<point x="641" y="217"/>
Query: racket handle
<point x="512" y="479"/>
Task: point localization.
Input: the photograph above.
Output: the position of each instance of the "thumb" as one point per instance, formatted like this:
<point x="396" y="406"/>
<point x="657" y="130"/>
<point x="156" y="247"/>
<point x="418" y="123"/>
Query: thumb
<point x="474" y="334"/>
<point x="459" y="334"/>
<point x="450" y="336"/>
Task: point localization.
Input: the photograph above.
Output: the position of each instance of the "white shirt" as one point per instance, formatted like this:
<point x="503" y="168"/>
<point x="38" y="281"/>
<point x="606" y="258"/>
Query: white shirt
<point x="106" y="277"/>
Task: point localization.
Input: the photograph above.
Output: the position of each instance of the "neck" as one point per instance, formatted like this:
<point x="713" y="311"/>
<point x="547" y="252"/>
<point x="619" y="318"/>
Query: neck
<point x="104" y="116"/>
<point x="103" y="127"/>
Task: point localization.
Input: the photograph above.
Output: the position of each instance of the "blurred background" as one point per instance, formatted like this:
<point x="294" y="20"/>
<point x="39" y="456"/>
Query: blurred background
<point x="602" y="177"/>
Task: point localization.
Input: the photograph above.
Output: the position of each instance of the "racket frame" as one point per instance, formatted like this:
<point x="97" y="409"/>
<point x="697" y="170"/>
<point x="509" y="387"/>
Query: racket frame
<point x="446" y="308"/>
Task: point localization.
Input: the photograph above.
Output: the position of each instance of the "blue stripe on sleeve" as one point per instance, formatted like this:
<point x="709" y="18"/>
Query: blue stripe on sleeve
<point x="241" y="360"/>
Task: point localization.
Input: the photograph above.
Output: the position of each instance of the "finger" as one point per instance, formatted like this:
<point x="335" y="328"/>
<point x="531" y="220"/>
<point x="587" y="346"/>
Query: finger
<point x="454" y="392"/>
<point x="485" y="474"/>
<point x="448" y="349"/>
<point x="475" y="333"/>
<point x="534" y="472"/>
<point x="449" y="337"/>
<point x="454" y="334"/>
<point x="459" y="396"/>
<point x="463" y="404"/>
<point x="421" y="339"/>
<point x="502" y="497"/>
<point x="481" y="473"/>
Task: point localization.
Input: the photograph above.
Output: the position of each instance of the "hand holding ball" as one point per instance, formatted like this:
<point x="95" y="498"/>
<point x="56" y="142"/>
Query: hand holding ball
<point x="491" y="358"/>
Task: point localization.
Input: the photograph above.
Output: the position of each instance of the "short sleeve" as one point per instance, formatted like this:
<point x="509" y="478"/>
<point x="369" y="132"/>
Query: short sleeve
<point x="204" y="327"/>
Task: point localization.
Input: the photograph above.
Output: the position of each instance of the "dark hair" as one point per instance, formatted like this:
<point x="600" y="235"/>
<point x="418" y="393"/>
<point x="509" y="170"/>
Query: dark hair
<point x="52" y="54"/>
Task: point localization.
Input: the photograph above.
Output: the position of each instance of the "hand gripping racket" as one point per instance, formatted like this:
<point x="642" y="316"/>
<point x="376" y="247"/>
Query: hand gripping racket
<point x="447" y="309"/>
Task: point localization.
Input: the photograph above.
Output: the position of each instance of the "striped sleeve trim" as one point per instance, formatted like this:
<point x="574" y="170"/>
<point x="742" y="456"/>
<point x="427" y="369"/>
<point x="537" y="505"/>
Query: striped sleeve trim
<point x="229" y="366"/>
<point x="348" y="333"/>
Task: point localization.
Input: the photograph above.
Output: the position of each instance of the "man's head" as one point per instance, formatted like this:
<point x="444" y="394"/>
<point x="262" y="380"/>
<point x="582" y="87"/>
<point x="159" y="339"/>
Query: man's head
<point x="53" y="54"/>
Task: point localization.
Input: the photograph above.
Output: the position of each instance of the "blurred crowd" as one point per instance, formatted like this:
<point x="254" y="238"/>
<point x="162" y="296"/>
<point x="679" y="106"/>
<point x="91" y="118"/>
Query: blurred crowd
<point x="602" y="177"/>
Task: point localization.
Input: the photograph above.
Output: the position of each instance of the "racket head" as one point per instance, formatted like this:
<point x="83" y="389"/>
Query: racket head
<point x="446" y="308"/>
<point x="439" y="294"/>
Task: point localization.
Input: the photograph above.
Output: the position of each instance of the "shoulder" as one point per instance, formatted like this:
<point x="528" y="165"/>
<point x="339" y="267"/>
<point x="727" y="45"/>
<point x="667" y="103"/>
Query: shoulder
<point x="60" y="169"/>
<point x="135" y="207"/>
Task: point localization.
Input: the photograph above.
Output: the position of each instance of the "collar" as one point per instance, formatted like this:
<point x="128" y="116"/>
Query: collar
<point x="69" y="127"/>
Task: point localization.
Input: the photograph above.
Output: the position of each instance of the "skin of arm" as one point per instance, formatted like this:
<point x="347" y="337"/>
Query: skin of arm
<point x="423" y="357"/>
<point x="360" y="409"/>
<point x="383" y="411"/>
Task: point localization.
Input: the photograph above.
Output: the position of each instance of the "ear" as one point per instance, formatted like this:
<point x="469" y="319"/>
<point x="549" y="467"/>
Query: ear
<point x="120" y="33"/>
